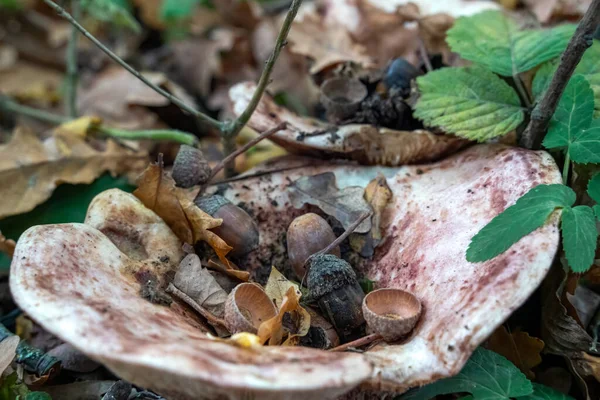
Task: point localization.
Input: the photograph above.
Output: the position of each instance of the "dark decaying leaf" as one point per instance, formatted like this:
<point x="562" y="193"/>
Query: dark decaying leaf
<point x="346" y="205"/>
<point x="518" y="347"/>
<point x="120" y="390"/>
<point x="541" y="392"/>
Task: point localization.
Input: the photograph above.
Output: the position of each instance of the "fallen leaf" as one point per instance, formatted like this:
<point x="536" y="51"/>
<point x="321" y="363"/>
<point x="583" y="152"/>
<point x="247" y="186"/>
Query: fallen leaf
<point x="585" y="303"/>
<point x="31" y="169"/>
<point x="326" y="44"/>
<point x="291" y="319"/>
<point x="243" y="276"/>
<point x="545" y="10"/>
<point x="157" y="191"/>
<point x="79" y="390"/>
<point x="244" y="340"/>
<point x="7" y="246"/>
<point x="8" y="347"/>
<point x="77" y="127"/>
<point x="200" y="285"/>
<point x="518" y="347"/>
<point x="346" y="205"/>
<point x="378" y="194"/>
<point x="72" y="359"/>
<point x="31" y="83"/>
<point x="277" y="287"/>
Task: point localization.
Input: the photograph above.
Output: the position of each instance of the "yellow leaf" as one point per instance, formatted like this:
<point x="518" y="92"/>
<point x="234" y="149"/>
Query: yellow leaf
<point x="77" y="127"/>
<point x="31" y="169"/>
<point x="7" y="246"/>
<point x="518" y="347"/>
<point x="292" y="320"/>
<point x="378" y="194"/>
<point x="245" y="340"/>
<point x="277" y="287"/>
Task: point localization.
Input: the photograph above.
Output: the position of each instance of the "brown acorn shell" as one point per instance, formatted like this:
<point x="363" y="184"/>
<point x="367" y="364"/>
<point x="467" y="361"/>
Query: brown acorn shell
<point x="248" y="306"/>
<point x="392" y="313"/>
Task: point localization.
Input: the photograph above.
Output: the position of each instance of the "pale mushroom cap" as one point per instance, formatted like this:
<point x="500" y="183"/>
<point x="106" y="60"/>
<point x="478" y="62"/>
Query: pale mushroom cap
<point x="247" y="307"/>
<point x="392" y="313"/>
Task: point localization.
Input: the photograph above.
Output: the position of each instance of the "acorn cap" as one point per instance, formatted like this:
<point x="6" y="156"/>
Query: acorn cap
<point x="341" y="97"/>
<point x="211" y="204"/>
<point x="391" y="312"/>
<point x="190" y="167"/>
<point x="248" y="306"/>
<point x="327" y="273"/>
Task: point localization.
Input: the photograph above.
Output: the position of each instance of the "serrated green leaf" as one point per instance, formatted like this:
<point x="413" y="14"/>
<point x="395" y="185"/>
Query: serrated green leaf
<point x="529" y="213"/>
<point x="593" y="188"/>
<point x="111" y="11"/>
<point x="541" y="392"/>
<point x="487" y="376"/>
<point x="573" y="114"/>
<point x="589" y="67"/>
<point x="38" y="396"/>
<point x="578" y="225"/>
<point x="492" y="39"/>
<point x="471" y="102"/>
<point x="597" y="211"/>
<point x="572" y="127"/>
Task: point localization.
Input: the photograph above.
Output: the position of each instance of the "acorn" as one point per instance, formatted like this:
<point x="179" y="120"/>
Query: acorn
<point x="332" y="283"/>
<point x="247" y="307"/>
<point x="341" y="97"/>
<point x="321" y="334"/>
<point x="306" y="235"/>
<point x="190" y="167"/>
<point x="399" y="74"/>
<point x="238" y="228"/>
<point x="392" y="313"/>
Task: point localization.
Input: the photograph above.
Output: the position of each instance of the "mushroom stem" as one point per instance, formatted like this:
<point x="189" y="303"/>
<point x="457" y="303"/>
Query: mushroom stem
<point x="363" y="341"/>
<point x="212" y="319"/>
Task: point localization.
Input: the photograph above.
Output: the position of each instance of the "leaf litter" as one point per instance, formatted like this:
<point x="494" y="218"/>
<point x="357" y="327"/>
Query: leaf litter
<point x="335" y="39"/>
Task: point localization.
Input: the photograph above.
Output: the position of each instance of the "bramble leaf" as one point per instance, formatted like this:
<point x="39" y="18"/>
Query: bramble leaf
<point x="492" y="39"/>
<point x="572" y="127"/>
<point x="588" y="67"/>
<point x="579" y="237"/>
<point x="471" y="102"/>
<point x="594" y="188"/>
<point x="487" y="376"/>
<point x="541" y="392"/>
<point x="529" y="213"/>
<point x="112" y="11"/>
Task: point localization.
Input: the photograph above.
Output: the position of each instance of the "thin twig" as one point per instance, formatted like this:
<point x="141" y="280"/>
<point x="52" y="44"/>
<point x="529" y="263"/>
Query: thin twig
<point x="543" y="111"/>
<point x="232" y="128"/>
<point x="210" y="317"/>
<point x="424" y="56"/>
<point x="180" y="103"/>
<point x="265" y="77"/>
<point x="522" y="91"/>
<point x="344" y="235"/>
<point x="363" y="341"/>
<point x="72" y="78"/>
<point x="150" y="134"/>
<point x="258" y="174"/>
<point x="241" y="150"/>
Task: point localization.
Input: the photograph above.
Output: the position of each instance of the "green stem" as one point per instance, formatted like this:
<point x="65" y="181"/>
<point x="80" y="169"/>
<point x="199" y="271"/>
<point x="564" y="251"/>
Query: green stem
<point x="522" y="91"/>
<point x="566" y="167"/>
<point x="180" y="103"/>
<point x="71" y="90"/>
<point x="152" y="134"/>
<point x="265" y="77"/>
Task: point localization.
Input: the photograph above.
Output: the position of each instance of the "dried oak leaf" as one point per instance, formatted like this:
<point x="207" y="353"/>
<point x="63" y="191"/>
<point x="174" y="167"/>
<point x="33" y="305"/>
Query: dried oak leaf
<point x="278" y="285"/>
<point x="31" y="83"/>
<point x="30" y="169"/>
<point x="346" y="205"/>
<point x="291" y="319"/>
<point x="7" y="246"/>
<point x="157" y="191"/>
<point x="229" y="270"/>
<point x="545" y="10"/>
<point x="327" y="44"/>
<point x="366" y="144"/>
<point x="518" y="347"/>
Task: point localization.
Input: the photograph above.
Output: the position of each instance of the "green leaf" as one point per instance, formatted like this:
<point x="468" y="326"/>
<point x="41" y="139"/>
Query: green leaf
<point x="68" y="203"/>
<point x="572" y="127"/>
<point x="541" y="392"/>
<point x="38" y="396"/>
<point x="589" y="67"/>
<point x="578" y="225"/>
<point x="11" y="388"/>
<point x="112" y="11"/>
<point x="10" y="5"/>
<point x="529" y="213"/>
<point x="494" y="40"/>
<point x="573" y="114"/>
<point x="594" y="188"/>
<point x="487" y="376"/>
<point x="177" y="9"/>
<point x="471" y="102"/>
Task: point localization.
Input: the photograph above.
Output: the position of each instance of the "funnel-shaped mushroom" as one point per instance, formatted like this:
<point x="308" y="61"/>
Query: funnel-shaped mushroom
<point x="77" y="284"/>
